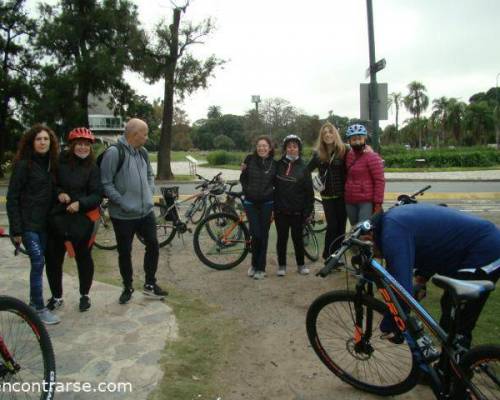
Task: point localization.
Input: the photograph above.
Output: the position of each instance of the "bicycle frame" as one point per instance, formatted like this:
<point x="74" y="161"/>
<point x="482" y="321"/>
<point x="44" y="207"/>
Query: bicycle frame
<point x="393" y="293"/>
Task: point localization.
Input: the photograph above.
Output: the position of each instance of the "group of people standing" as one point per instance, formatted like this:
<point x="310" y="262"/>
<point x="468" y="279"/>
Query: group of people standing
<point x="351" y="183"/>
<point x="52" y="206"/>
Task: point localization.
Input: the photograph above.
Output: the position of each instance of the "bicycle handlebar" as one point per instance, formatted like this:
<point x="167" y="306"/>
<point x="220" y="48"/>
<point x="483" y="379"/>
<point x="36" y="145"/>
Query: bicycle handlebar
<point x="420" y="192"/>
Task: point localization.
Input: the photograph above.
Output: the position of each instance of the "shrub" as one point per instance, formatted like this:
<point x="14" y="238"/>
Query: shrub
<point x="222" y="157"/>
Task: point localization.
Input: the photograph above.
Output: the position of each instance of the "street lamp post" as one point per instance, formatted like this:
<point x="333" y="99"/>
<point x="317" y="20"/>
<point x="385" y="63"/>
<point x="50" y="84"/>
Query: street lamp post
<point x="373" y="95"/>
<point x="256" y="100"/>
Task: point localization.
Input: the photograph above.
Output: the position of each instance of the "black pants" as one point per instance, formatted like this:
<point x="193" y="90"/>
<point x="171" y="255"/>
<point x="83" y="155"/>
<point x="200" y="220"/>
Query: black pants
<point x="54" y="258"/>
<point x="472" y="310"/>
<point x="125" y="230"/>
<point x="259" y="217"/>
<point x="336" y="218"/>
<point x="285" y="223"/>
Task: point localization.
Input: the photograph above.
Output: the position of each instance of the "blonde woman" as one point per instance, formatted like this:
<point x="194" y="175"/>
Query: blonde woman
<point x="328" y="158"/>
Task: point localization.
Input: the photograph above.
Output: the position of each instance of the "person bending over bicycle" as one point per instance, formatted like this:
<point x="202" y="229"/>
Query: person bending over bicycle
<point x="431" y="239"/>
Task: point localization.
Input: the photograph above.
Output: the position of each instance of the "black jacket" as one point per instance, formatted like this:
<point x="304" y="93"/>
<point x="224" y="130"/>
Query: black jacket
<point x="81" y="182"/>
<point x="294" y="192"/>
<point x="30" y="196"/>
<point x="257" y="179"/>
<point x="332" y="173"/>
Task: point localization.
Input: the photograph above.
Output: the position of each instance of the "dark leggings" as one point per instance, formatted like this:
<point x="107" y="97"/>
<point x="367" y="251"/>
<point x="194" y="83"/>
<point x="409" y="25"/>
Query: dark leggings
<point x="336" y="218"/>
<point x="55" y="259"/>
<point x="285" y="223"/>
<point x="259" y="217"/>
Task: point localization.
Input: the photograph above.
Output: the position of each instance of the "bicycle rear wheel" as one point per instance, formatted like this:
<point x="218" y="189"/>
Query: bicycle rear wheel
<point x="311" y="247"/>
<point x="359" y="357"/>
<point x="221" y="241"/>
<point x="105" y="238"/>
<point x="165" y="230"/>
<point x="28" y="344"/>
<point x="481" y="365"/>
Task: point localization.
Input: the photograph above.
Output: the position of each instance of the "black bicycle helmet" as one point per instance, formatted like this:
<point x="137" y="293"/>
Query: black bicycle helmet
<point x="292" y="138"/>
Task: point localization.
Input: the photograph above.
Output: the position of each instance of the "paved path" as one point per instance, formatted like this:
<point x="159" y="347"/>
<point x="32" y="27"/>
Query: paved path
<point x="182" y="168"/>
<point x="110" y="343"/>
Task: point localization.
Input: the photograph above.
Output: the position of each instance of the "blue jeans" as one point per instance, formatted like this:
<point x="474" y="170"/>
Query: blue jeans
<point x="35" y="244"/>
<point x="259" y="217"/>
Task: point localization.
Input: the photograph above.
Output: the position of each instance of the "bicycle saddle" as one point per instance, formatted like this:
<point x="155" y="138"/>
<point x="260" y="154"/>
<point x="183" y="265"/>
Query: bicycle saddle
<point x="463" y="290"/>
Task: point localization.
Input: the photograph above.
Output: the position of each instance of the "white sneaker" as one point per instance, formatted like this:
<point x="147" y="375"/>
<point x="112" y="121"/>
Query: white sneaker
<point x="281" y="270"/>
<point x="259" y="275"/>
<point x="47" y="317"/>
<point x="302" y="270"/>
<point x="251" y="272"/>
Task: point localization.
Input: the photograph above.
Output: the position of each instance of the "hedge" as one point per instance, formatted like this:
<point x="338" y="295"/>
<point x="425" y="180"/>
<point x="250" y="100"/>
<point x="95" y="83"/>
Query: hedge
<point x="221" y="157"/>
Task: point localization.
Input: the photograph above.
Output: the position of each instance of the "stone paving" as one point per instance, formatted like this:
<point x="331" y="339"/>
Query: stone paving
<point x="110" y="343"/>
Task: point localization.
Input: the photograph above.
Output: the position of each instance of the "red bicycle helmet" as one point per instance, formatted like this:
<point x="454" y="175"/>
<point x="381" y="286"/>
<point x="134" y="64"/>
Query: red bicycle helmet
<point x="81" y="133"/>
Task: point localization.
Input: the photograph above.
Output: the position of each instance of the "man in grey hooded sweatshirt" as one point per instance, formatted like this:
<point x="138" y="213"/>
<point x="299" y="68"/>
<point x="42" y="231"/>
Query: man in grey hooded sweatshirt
<point x="130" y="191"/>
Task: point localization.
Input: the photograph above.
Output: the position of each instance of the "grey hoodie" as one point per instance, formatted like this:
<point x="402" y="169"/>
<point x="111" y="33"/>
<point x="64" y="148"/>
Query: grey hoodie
<point x="131" y="191"/>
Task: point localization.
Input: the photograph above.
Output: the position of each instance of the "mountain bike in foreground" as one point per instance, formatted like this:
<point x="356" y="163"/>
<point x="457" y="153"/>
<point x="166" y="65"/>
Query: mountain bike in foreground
<point x="343" y="329"/>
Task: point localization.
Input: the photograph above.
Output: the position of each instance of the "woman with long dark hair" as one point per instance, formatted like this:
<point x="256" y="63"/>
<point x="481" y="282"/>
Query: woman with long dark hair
<point x="29" y="198"/>
<point x="257" y="180"/>
<point x="79" y="190"/>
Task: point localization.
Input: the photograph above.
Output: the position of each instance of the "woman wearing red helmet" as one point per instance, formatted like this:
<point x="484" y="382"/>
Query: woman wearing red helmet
<point x="79" y="191"/>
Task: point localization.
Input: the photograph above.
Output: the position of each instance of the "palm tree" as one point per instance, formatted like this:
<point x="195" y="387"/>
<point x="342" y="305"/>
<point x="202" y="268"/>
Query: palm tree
<point x="395" y="99"/>
<point x="455" y="110"/>
<point x="214" y="112"/>
<point x="439" y="114"/>
<point x="416" y="102"/>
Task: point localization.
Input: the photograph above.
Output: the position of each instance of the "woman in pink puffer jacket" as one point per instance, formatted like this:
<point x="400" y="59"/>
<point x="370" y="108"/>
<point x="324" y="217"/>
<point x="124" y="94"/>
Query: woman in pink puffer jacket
<point x="365" y="182"/>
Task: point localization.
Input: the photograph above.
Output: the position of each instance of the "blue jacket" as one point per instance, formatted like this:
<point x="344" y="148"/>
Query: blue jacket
<point x="434" y="239"/>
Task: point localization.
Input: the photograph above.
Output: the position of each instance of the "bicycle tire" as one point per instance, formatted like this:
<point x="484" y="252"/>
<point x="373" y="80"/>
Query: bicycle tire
<point x="334" y="311"/>
<point x="318" y="222"/>
<point x="199" y="210"/>
<point x="29" y="343"/>
<point x="481" y="365"/>
<point x="311" y="246"/>
<point x="105" y="238"/>
<point x="165" y="230"/>
<point x="222" y="222"/>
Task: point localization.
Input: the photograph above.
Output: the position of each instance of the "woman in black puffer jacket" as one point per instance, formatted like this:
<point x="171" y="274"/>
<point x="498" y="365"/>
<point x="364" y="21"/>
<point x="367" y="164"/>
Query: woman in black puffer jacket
<point x="294" y="200"/>
<point x="257" y="180"/>
<point x="79" y="191"/>
<point x="29" y="198"/>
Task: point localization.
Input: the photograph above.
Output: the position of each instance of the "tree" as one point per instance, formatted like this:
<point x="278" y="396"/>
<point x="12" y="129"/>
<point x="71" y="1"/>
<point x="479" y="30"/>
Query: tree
<point x="223" y="142"/>
<point x="438" y="117"/>
<point x="88" y="45"/>
<point x="279" y="116"/>
<point x="416" y="102"/>
<point x="16" y="64"/>
<point x="166" y="58"/>
<point x="395" y="100"/>
<point x="479" y="121"/>
<point x="454" y="115"/>
<point x="214" y="112"/>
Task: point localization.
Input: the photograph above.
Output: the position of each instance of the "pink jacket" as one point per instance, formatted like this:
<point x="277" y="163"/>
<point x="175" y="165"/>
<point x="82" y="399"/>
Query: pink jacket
<point x="365" y="180"/>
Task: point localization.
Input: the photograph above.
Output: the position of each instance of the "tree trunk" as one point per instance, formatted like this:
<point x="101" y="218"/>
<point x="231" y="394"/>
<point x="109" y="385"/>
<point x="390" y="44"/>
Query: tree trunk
<point x="83" y="102"/>
<point x="164" y="170"/>
<point x="3" y="126"/>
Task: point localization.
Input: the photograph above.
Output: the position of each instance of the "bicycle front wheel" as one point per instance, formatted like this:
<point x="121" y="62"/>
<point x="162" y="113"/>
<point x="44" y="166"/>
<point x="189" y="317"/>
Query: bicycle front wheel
<point x="481" y="365"/>
<point x="221" y="241"/>
<point x="311" y="247"/>
<point x="198" y="210"/>
<point x="26" y="350"/>
<point x="165" y="230"/>
<point x="359" y="356"/>
<point x="105" y="238"/>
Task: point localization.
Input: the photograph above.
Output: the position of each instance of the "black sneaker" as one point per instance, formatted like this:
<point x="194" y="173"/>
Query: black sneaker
<point x="84" y="303"/>
<point x="154" y="291"/>
<point x="126" y="295"/>
<point x="55" y="304"/>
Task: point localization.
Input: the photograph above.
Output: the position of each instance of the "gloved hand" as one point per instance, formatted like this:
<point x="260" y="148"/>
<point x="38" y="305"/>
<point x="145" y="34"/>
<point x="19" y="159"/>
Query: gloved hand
<point x="420" y="287"/>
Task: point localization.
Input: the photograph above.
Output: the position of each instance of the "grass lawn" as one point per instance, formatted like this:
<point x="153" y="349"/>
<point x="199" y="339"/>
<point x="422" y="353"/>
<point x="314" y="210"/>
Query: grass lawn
<point x="444" y="169"/>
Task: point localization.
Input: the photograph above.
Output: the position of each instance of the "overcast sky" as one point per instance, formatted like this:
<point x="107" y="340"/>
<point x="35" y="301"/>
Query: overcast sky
<point x="314" y="53"/>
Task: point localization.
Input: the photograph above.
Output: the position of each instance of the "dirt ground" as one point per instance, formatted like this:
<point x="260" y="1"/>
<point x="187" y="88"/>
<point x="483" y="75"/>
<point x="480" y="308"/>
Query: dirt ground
<point x="273" y="358"/>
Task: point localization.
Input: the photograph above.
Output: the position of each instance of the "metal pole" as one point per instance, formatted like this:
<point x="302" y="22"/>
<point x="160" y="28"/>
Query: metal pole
<point x="373" y="78"/>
